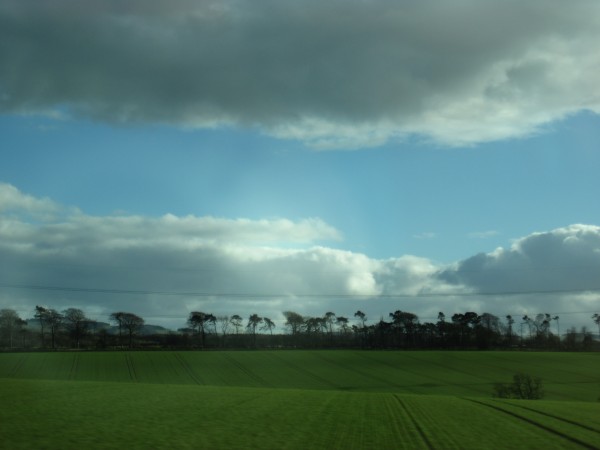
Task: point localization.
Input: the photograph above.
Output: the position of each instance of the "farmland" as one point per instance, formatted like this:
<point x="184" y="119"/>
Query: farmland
<point x="295" y="399"/>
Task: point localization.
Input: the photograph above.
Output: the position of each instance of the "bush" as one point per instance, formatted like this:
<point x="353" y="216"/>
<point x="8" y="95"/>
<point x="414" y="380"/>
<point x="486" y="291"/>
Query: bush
<point x="523" y="386"/>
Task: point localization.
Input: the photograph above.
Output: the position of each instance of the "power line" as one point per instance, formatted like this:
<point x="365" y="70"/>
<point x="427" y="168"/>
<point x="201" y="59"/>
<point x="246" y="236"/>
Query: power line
<point x="257" y="269"/>
<point x="297" y="295"/>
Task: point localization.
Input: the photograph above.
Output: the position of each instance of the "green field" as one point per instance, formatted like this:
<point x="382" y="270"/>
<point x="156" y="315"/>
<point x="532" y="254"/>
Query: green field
<point x="295" y="399"/>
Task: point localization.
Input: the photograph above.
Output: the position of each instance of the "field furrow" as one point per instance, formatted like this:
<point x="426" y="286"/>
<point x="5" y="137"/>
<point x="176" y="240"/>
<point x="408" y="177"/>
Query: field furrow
<point x="130" y="367"/>
<point x="74" y="366"/>
<point x="251" y="375"/>
<point x="571" y="422"/>
<point x="569" y="433"/>
<point x="351" y="374"/>
<point x="297" y="369"/>
<point x="416" y="423"/>
<point x="395" y="368"/>
<point x="292" y="400"/>
<point x="187" y="368"/>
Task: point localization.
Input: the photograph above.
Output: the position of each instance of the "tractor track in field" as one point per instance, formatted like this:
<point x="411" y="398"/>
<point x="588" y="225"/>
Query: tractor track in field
<point x="416" y="424"/>
<point x="362" y="373"/>
<point x="535" y="423"/>
<point x="306" y="372"/>
<point x="131" y="368"/>
<point x="74" y="366"/>
<point x="451" y="369"/>
<point x="188" y="369"/>
<point x="17" y="367"/>
<point x="562" y="419"/>
<point x="246" y="370"/>
<point x="401" y="368"/>
<point x="556" y="369"/>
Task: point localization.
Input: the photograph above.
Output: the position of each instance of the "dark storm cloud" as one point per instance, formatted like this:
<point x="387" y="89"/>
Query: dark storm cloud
<point x="333" y="74"/>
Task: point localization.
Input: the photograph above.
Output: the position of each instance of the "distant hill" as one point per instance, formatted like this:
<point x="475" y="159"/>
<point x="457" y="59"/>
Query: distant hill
<point x="155" y="329"/>
<point x="34" y="325"/>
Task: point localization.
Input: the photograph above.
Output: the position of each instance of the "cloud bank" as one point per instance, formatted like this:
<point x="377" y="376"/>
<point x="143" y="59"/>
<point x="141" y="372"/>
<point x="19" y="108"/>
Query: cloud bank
<point x="164" y="267"/>
<point x="340" y="74"/>
<point x="562" y="259"/>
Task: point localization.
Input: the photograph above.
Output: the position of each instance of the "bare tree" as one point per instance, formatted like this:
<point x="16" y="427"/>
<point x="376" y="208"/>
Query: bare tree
<point x="362" y="329"/>
<point x="315" y="325"/>
<point x="236" y="321"/>
<point x="76" y="323"/>
<point x="201" y="321"/>
<point x="268" y="325"/>
<point x="294" y="321"/>
<point x="556" y="318"/>
<point x="404" y="324"/>
<point x="329" y="320"/>
<point x="342" y="324"/>
<point x="224" y="324"/>
<point x="441" y="326"/>
<point x="117" y="317"/>
<point x="296" y="324"/>
<point x="50" y="318"/>
<point x="40" y="315"/>
<point x="133" y="324"/>
<point x="596" y="318"/>
<point x="510" y="321"/>
<point x="10" y="323"/>
<point x="526" y="320"/>
<point x="55" y="321"/>
<point x="253" y="321"/>
<point x="362" y="317"/>
<point x="541" y="325"/>
<point x="488" y="330"/>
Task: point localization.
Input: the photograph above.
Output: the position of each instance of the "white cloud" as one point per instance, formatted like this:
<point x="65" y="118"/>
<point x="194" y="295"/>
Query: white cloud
<point x="483" y="234"/>
<point x="341" y="74"/>
<point x="555" y="267"/>
<point x="162" y="268"/>
<point x="12" y="200"/>
<point x="221" y="263"/>
<point x="425" y="235"/>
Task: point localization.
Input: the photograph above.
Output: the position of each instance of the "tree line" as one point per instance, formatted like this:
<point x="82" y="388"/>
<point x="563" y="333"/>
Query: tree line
<point x="71" y="328"/>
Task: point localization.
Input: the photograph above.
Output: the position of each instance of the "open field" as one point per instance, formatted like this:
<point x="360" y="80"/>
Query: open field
<point x="295" y="399"/>
<point x="567" y="376"/>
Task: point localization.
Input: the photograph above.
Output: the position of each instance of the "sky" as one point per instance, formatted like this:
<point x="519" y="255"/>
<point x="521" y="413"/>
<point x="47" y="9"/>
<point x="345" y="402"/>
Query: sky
<point x="167" y="157"/>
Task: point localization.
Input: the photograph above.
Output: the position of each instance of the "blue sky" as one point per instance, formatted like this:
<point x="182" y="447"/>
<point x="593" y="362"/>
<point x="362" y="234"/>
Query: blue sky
<point x="400" y="198"/>
<point x="301" y="156"/>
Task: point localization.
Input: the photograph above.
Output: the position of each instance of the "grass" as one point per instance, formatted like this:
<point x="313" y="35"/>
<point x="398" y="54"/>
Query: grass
<point x="294" y="399"/>
<point x="567" y="376"/>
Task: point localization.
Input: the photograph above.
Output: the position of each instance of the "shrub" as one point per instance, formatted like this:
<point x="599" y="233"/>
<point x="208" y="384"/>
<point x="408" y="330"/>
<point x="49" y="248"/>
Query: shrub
<point x="523" y="386"/>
